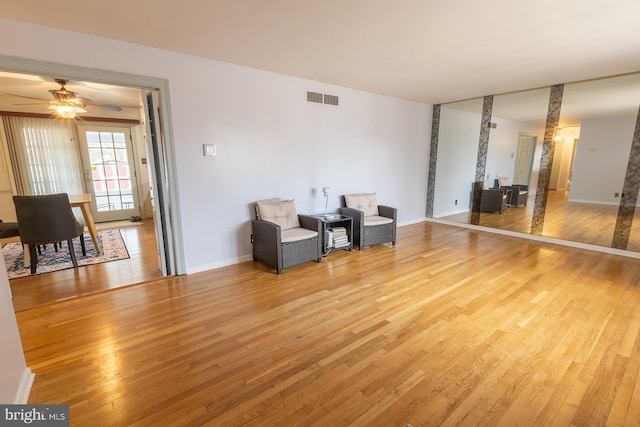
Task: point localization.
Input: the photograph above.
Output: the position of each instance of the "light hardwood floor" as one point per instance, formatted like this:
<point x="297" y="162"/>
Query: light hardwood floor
<point x="450" y="327"/>
<point x="43" y="289"/>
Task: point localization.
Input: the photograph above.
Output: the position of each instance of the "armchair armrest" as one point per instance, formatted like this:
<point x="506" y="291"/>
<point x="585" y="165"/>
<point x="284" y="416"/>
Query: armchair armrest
<point x="502" y="190"/>
<point x="388" y="212"/>
<point x="266" y="238"/>
<point x="493" y="200"/>
<point x="357" y="215"/>
<point x="310" y="223"/>
<point x="265" y="232"/>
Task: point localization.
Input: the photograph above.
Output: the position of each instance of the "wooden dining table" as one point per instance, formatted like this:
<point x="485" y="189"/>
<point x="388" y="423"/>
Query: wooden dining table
<point x="83" y="201"/>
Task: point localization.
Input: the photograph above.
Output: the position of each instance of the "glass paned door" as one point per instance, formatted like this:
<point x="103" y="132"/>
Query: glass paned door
<point x="110" y="172"/>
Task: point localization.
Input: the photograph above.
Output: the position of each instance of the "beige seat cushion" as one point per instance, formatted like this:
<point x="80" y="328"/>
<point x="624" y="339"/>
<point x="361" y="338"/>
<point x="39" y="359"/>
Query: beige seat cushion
<point x="295" y="234"/>
<point x="376" y="220"/>
<point x="282" y="213"/>
<point x="365" y="202"/>
<point x="505" y="181"/>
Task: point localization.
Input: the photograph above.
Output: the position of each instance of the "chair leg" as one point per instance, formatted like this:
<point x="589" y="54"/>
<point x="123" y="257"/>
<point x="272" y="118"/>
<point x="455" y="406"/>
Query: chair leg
<point x="74" y="260"/>
<point x="33" y="258"/>
<point x="82" y="245"/>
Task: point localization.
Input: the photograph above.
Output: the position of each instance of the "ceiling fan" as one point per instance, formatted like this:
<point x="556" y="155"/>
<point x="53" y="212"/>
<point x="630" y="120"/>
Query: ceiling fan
<point x="67" y="103"/>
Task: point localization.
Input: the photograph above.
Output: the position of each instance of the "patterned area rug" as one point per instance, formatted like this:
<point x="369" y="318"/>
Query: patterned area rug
<point x="113" y="249"/>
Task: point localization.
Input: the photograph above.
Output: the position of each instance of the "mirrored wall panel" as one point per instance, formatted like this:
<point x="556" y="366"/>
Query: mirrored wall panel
<point x="591" y="149"/>
<point x="457" y="153"/>
<point x="513" y="159"/>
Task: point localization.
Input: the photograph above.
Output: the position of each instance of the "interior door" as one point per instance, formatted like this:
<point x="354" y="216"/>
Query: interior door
<point x="109" y="172"/>
<point x="159" y="205"/>
<point x="524" y="159"/>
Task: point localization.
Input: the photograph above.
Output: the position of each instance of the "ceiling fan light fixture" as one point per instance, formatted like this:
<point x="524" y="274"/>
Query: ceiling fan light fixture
<point x="66" y="110"/>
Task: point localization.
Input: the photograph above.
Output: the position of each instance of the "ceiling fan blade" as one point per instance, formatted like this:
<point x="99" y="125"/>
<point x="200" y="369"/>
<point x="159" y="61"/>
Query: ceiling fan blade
<point x="104" y="107"/>
<point x="27" y="97"/>
<point x="82" y="100"/>
<point x="33" y="103"/>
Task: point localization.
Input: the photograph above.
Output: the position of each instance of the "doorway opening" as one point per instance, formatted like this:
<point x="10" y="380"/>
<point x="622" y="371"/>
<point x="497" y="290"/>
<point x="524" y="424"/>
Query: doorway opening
<point x="112" y="173"/>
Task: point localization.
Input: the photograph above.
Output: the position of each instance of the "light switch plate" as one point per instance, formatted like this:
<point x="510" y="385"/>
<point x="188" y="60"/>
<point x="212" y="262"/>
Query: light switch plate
<point x="209" y="150"/>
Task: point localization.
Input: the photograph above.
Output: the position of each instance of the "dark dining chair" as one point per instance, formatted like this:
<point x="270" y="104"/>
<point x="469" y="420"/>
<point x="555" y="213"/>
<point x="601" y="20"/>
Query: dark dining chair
<point x="8" y="230"/>
<point x="47" y="219"/>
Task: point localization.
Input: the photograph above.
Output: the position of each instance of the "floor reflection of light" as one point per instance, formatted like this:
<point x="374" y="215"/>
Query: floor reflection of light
<point x="110" y="367"/>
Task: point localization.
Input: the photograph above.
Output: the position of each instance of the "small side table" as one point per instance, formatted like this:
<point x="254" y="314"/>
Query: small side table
<point x="329" y="222"/>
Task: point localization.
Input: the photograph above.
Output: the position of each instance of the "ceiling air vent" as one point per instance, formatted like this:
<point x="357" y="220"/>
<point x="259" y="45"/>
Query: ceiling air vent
<point x="314" y="97"/>
<point x="331" y="99"/>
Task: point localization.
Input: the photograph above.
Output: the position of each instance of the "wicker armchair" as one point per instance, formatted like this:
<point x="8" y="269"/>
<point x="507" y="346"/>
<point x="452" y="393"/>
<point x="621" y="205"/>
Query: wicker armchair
<point x="373" y="224"/>
<point x="281" y="238"/>
<point x="519" y="193"/>
<point x="494" y="200"/>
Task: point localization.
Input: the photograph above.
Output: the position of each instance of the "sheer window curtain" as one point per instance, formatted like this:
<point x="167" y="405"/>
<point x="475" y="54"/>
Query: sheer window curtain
<point x="44" y="155"/>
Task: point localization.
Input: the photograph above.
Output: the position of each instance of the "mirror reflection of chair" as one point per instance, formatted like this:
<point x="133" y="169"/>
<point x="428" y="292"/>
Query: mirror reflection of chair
<point x="47" y="219"/>
<point x="494" y="199"/>
<point x="519" y="192"/>
<point x="282" y="238"/>
<point x="373" y="224"/>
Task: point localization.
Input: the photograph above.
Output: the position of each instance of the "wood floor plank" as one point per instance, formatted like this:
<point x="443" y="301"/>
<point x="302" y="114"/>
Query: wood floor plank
<point x="450" y="327"/>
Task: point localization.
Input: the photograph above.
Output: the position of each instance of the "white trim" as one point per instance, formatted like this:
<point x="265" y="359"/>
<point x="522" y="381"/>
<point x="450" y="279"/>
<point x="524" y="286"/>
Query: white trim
<point x="411" y="222"/>
<point x="215" y="265"/>
<point x="26" y="382"/>
<point x="52" y="69"/>
<point x="456" y="212"/>
<point x="542" y="239"/>
<point x="594" y="202"/>
<point x="245" y="258"/>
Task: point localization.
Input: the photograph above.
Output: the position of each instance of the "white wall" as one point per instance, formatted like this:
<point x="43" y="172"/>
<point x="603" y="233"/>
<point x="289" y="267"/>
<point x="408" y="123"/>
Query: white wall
<point x="271" y="142"/>
<point x="503" y="149"/>
<point x="601" y="158"/>
<point x="457" y="155"/>
<point x="15" y="377"/>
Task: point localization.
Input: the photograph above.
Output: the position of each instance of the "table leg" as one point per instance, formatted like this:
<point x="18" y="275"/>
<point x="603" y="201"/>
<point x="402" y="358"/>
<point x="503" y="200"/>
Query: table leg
<point x="26" y="255"/>
<point x="88" y="219"/>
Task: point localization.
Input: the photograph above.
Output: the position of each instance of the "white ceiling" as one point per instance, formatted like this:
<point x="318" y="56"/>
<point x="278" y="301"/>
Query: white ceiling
<point x="431" y="51"/>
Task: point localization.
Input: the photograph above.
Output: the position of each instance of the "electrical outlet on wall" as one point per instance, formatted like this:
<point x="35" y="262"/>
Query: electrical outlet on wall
<point x="456" y="202"/>
<point x="616" y="194"/>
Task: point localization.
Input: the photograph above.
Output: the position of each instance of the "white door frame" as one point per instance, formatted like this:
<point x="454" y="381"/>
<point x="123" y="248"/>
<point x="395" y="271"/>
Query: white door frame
<point x="174" y="242"/>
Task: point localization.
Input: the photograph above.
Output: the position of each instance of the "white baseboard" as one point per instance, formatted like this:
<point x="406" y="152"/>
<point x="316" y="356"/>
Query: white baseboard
<point x="456" y="212"/>
<point x="594" y="202"/>
<point x="238" y="260"/>
<point x="26" y="382"/>
<point x="415" y="221"/>
<point x="213" y="266"/>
